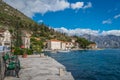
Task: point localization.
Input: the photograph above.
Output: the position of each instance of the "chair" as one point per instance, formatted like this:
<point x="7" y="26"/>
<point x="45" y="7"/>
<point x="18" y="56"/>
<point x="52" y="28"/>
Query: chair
<point x="12" y="63"/>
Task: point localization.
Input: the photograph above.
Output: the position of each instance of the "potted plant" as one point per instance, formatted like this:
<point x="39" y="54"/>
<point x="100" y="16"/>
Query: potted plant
<point x="24" y="53"/>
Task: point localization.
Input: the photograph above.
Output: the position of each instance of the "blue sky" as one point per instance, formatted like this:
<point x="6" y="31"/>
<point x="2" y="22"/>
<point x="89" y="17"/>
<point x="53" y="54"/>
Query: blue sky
<point x="95" y="16"/>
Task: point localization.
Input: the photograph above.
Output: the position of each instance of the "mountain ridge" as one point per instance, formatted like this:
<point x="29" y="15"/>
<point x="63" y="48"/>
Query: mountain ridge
<point x="105" y="41"/>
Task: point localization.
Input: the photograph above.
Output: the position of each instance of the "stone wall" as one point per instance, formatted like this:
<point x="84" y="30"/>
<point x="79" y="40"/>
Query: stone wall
<point x="2" y="67"/>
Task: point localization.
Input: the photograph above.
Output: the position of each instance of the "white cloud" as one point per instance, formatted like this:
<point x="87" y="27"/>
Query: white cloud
<point x="116" y="16"/>
<point x="111" y="32"/>
<point x="30" y="7"/>
<point x="108" y="21"/>
<point x="89" y="5"/>
<point x="81" y="5"/>
<point x="77" y="5"/>
<point x="40" y="21"/>
<point x="79" y="32"/>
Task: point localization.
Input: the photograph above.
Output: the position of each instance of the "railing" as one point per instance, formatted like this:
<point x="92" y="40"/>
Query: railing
<point x="2" y="65"/>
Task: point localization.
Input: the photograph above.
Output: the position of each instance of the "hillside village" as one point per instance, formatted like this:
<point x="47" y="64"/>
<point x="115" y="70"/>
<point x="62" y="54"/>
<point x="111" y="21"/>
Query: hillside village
<point x="18" y="31"/>
<point x="20" y="35"/>
<point x="6" y="39"/>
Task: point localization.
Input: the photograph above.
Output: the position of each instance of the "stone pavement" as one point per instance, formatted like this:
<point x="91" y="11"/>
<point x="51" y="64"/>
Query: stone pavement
<point x="46" y="68"/>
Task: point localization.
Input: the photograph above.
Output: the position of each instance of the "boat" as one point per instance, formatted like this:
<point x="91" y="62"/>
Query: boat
<point x="53" y="51"/>
<point x="63" y="51"/>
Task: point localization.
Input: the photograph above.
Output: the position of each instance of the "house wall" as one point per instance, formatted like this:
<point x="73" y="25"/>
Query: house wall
<point x="26" y="39"/>
<point x="55" y="45"/>
<point x="92" y="46"/>
<point x="6" y="39"/>
<point x="26" y="42"/>
<point x="69" y="45"/>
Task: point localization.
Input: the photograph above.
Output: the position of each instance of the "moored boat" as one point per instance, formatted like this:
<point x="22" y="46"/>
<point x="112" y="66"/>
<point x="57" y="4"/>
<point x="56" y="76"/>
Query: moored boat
<point x="63" y="51"/>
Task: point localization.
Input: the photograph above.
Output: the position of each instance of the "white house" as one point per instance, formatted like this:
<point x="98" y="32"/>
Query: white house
<point x="93" y="46"/>
<point x="26" y="39"/>
<point x="5" y="38"/>
<point x="69" y="45"/>
<point x="54" y="44"/>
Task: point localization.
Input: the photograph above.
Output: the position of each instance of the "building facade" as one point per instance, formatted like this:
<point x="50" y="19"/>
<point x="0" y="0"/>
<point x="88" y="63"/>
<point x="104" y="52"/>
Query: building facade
<point x="5" y="38"/>
<point x="69" y="45"/>
<point x="26" y="39"/>
<point x="92" y="46"/>
<point x="59" y="45"/>
<point x="54" y="44"/>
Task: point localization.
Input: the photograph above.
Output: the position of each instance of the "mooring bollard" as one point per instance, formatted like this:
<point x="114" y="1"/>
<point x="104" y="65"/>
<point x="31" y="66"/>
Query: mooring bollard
<point x="42" y="55"/>
<point x="61" y="72"/>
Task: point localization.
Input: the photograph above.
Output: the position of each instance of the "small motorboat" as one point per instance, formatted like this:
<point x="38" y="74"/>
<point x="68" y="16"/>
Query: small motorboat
<point x="63" y="51"/>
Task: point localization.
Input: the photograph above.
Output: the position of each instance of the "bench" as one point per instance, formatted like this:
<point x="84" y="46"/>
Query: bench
<point x="12" y="64"/>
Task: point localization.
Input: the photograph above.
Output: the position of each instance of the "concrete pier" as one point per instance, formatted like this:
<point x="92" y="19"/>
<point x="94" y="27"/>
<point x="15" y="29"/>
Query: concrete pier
<point x="41" y="68"/>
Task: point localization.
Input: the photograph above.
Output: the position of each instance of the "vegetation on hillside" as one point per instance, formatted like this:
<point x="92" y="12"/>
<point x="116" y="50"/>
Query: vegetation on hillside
<point x="83" y="43"/>
<point x="16" y="21"/>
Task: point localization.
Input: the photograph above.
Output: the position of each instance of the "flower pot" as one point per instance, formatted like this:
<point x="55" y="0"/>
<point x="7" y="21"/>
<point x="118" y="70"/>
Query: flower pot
<point x="13" y="50"/>
<point x="24" y="55"/>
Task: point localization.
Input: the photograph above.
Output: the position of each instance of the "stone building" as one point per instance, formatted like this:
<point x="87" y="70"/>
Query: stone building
<point x="54" y="44"/>
<point x="26" y="39"/>
<point x="5" y="38"/>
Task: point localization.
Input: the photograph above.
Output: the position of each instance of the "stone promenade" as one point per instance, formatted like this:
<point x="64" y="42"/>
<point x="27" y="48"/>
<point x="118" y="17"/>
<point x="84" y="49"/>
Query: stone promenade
<point x="41" y="68"/>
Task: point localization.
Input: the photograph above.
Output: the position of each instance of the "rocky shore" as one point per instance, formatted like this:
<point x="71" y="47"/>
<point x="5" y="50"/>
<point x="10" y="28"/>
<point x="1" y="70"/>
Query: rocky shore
<point x="41" y="68"/>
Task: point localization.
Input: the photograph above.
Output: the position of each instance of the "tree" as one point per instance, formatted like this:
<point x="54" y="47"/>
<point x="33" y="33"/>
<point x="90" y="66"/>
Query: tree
<point x="83" y="43"/>
<point x="36" y="45"/>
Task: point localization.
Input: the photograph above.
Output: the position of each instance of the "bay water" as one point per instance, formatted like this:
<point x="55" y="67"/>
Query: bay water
<point x="91" y="64"/>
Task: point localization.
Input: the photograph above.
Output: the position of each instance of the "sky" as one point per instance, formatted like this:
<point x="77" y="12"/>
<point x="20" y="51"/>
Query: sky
<point x="75" y="17"/>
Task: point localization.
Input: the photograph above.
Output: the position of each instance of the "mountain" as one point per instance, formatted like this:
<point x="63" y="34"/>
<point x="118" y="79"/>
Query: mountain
<point x="11" y="17"/>
<point x="108" y="41"/>
<point x="14" y="20"/>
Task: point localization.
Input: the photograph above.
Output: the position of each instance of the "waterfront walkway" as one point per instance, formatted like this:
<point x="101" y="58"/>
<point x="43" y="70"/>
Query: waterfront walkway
<point x="45" y="68"/>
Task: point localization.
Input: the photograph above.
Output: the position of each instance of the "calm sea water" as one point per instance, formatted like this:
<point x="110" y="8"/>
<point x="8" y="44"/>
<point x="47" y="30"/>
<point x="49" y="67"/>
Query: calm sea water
<point x="91" y="64"/>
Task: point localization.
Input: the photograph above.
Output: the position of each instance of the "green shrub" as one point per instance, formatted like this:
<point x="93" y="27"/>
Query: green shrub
<point x="18" y="51"/>
<point x="29" y="52"/>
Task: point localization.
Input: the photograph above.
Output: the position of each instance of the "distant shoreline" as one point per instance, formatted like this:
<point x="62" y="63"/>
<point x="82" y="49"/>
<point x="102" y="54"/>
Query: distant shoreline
<point x="74" y="49"/>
